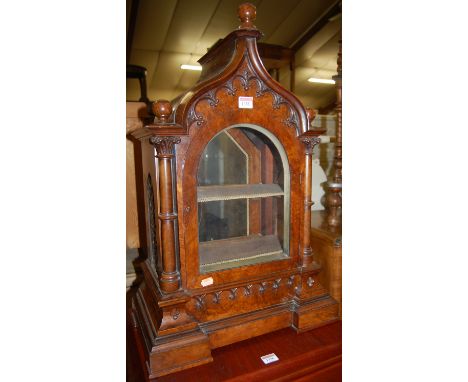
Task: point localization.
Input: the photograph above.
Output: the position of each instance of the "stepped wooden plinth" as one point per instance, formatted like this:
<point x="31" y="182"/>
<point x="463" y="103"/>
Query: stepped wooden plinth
<point x="311" y="356"/>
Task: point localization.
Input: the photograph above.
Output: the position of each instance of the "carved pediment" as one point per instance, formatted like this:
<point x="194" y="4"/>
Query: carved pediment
<point x="244" y="78"/>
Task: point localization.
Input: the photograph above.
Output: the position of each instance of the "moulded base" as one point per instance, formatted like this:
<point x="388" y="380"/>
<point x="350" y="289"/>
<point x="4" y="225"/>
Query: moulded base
<point x="187" y="349"/>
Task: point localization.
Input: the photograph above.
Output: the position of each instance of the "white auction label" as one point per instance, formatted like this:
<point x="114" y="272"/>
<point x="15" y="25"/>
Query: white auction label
<point x="207" y="281"/>
<point x="245" y="102"/>
<point x="269" y="358"/>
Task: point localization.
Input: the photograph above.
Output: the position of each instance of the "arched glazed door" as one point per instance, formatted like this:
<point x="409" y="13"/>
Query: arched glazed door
<point x="243" y="199"/>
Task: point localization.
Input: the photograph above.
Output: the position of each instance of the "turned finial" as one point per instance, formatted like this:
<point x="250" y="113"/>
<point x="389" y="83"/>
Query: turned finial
<point x="310" y="115"/>
<point x="247" y="14"/>
<point x="162" y="109"/>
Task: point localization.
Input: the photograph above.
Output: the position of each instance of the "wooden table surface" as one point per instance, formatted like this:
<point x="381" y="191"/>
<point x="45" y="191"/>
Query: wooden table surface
<point x="311" y="356"/>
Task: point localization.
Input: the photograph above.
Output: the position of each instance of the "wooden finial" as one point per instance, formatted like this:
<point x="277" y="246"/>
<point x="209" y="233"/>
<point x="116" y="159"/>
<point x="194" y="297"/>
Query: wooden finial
<point x="310" y="115"/>
<point x="162" y="109"/>
<point x="247" y="14"/>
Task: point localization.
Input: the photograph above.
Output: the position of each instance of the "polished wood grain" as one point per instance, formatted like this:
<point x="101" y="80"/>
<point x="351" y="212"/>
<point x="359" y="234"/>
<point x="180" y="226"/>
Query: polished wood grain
<point x="182" y="310"/>
<point x="311" y="356"/>
<point x="308" y="355"/>
<point x="170" y="278"/>
<point x="247" y="15"/>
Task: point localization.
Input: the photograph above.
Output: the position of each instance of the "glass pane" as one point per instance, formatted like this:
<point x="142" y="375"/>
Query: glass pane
<point x="222" y="219"/>
<point x="243" y="200"/>
<point x="222" y="162"/>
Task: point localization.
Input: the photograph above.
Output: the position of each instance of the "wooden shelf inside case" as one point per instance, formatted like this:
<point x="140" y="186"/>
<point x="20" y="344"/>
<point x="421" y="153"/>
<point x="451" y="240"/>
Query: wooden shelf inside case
<point x="237" y="191"/>
<point x="239" y="251"/>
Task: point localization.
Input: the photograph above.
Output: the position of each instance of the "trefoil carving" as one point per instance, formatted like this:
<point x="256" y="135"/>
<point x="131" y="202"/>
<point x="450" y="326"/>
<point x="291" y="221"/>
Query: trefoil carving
<point x="310" y="143"/>
<point x="232" y="293"/>
<point x="200" y="302"/>
<point x="245" y="77"/>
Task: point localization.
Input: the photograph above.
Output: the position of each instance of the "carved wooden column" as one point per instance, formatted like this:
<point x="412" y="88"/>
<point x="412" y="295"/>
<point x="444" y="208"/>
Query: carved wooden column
<point x="310" y="139"/>
<point x="170" y="277"/>
<point x="338" y="145"/>
<point x="335" y="186"/>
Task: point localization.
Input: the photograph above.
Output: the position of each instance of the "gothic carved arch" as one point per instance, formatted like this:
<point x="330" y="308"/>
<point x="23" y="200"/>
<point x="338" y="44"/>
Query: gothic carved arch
<point x="245" y="77"/>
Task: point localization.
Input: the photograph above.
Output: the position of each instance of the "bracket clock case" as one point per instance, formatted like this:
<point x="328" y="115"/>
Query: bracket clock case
<point x="227" y="183"/>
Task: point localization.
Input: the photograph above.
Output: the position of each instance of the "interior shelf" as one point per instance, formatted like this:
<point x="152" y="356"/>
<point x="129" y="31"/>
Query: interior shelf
<point x="239" y="251"/>
<point x="237" y="191"/>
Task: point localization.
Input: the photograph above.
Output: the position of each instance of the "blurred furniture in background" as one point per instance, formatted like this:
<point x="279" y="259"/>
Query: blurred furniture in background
<point x="139" y="73"/>
<point x="326" y="225"/>
<point x="275" y="57"/>
<point x="137" y="117"/>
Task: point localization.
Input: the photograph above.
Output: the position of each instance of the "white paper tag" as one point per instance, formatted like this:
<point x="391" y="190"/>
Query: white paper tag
<point x="269" y="358"/>
<point x="245" y="102"/>
<point x="207" y="281"/>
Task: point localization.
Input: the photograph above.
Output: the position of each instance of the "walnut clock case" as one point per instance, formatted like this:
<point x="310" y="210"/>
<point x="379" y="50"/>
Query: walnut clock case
<point x="227" y="182"/>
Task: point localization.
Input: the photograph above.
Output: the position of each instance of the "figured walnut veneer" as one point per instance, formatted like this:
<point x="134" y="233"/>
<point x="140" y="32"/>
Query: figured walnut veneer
<point x="182" y="309"/>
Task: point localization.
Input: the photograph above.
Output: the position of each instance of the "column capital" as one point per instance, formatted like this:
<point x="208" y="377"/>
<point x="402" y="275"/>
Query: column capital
<point x="310" y="142"/>
<point x="164" y="145"/>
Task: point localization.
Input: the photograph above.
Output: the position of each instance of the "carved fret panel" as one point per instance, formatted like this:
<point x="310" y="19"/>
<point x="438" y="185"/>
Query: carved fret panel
<point x="233" y="294"/>
<point x="245" y="77"/>
<point x="152" y="256"/>
<point x="200" y="301"/>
